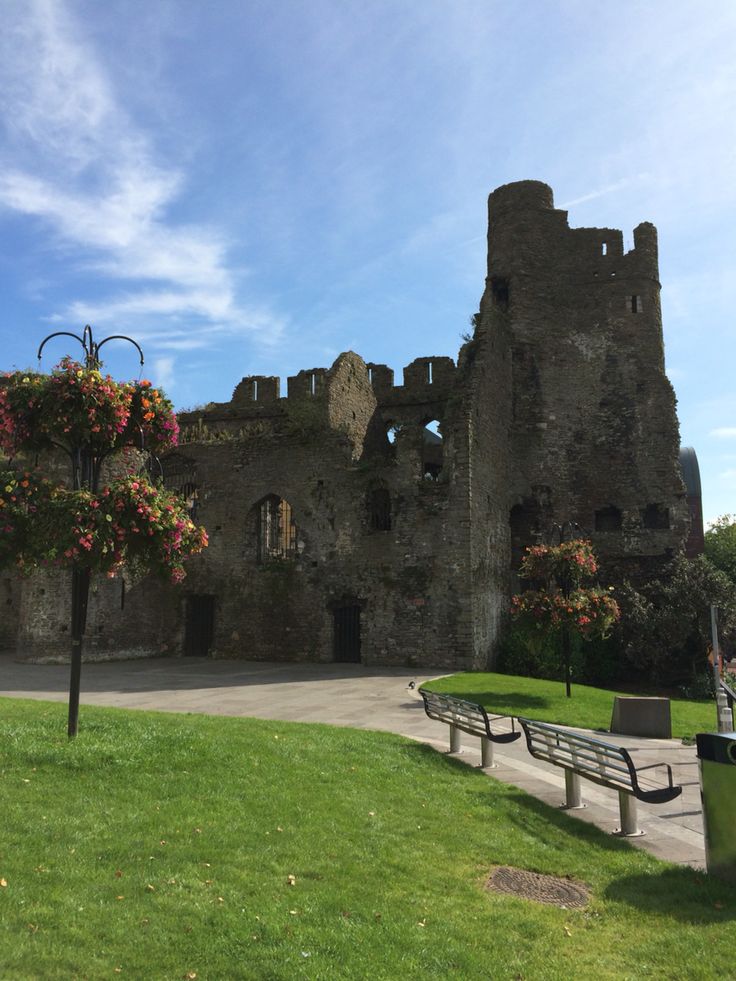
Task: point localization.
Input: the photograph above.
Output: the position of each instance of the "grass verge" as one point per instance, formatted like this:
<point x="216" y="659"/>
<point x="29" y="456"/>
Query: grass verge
<point x="588" y="708"/>
<point x="163" y="846"/>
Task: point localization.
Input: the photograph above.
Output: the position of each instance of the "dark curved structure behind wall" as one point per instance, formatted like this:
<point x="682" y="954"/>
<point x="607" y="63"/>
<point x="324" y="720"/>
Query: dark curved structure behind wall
<point x="695" y="543"/>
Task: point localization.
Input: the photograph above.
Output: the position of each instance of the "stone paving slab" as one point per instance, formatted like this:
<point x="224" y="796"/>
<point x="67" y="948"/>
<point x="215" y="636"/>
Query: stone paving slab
<point x="366" y="698"/>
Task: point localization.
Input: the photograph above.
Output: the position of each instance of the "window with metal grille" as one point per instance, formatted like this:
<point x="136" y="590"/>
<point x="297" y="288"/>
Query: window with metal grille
<point x="277" y="538"/>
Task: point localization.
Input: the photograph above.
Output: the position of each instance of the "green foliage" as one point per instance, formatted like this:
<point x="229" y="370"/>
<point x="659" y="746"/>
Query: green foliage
<point x="720" y="545"/>
<point x="130" y="522"/>
<point x="536" y="654"/>
<point x="78" y="407"/>
<point x="169" y="846"/>
<point x="665" y="626"/>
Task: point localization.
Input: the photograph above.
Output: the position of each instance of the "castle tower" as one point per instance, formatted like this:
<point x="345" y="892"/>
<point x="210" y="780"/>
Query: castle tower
<point x="593" y="433"/>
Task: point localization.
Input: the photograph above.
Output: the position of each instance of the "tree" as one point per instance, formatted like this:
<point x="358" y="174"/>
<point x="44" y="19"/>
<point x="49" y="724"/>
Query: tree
<point x="665" y="629"/>
<point x="560" y="604"/>
<point x="720" y="545"/>
<point x="102" y="520"/>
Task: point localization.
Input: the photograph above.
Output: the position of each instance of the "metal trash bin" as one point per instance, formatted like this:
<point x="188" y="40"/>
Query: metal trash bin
<point x="717" y="764"/>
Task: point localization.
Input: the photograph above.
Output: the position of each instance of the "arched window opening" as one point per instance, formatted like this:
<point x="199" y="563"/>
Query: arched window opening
<point x="392" y="432"/>
<point x="432" y="450"/>
<point x="655" y="517"/>
<point x="276" y="531"/>
<point x="180" y="476"/>
<point x="379" y="509"/>
<point x="189" y="492"/>
<point x="608" y="519"/>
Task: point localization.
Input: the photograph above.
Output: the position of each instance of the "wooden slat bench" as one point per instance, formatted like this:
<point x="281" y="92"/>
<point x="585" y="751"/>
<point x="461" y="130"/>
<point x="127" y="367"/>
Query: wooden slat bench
<point x="605" y="764"/>
<point x="462" y="716"/>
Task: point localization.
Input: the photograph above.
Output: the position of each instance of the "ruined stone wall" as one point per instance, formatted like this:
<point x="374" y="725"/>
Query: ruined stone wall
<point x="405" y="507"/>
<point x="485" y="363"/>
<point x="594" y="434"/>
<point x="326" y="451"/>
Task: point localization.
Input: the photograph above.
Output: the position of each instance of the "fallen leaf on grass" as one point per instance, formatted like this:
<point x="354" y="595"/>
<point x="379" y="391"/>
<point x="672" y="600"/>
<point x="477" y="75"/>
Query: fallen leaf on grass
<point x="568" y="931"/>
<point x="118" y="874"/>
<point x="120" y="897"/>
<point x="291" y="880"/>
<point x="150" y="888"/>
<point x="3" y="883"/>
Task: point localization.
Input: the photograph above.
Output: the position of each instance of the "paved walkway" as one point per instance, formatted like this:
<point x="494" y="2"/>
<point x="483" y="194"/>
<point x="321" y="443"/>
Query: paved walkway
<point x="365" y="698"/>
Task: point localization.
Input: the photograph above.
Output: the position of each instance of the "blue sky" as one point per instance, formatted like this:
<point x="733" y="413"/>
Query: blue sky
<point x="251" y="187"/>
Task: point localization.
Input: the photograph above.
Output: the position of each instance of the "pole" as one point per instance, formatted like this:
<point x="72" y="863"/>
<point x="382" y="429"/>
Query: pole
<point x="714" y="644"/>
<point x="80" y="594"/>
<point x="83" y="478"/>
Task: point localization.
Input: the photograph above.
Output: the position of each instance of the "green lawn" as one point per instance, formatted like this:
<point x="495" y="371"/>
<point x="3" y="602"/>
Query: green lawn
<point x="163" y="846"/>
<point x="588" y="708"/>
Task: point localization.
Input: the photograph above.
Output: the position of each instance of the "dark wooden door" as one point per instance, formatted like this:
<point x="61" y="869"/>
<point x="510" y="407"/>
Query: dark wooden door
<point x="347" y="634"/>
<point x="199" y="626"/>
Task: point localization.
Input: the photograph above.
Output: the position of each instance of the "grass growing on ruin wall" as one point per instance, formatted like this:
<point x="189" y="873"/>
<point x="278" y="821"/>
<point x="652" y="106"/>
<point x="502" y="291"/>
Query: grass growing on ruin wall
<point x="170" y="846"/>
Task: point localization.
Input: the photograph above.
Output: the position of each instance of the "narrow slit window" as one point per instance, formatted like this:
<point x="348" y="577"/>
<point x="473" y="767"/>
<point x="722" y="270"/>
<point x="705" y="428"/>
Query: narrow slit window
<point x="635" y="303"/>
<point x="255" y="389"/>
<point x="429" y="372"/>
<point x="604" y="248"/>
<point x="379" y="506"/>
<point x="312" y="384"/>
<point x="432" y="450"/>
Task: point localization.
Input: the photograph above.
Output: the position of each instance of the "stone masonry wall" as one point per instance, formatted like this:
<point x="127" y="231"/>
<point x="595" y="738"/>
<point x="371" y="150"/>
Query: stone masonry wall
<point x="400" y="510"/>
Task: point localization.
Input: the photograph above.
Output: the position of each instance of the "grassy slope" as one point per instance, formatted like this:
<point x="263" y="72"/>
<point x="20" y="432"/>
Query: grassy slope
<point x="588" y="708"/>
<point x="162" y="846"/>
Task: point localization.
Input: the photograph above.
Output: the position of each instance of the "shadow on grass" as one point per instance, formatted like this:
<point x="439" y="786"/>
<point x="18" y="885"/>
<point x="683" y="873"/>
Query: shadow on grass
<point x="522" y="701"/>
<point x="681" y="893"/>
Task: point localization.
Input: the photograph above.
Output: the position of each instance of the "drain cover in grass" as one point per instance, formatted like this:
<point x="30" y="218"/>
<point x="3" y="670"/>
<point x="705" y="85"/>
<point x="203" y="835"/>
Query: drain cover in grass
<point x="540" y="888"/>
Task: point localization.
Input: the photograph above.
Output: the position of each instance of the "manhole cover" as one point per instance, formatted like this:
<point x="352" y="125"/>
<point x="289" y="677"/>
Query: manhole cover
<point x="540" y="888"/>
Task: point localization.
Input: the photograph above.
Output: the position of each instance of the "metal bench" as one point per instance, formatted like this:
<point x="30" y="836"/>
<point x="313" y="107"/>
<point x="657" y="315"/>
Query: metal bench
<point x="462" y="716"/>
<point x="605" y="764"/>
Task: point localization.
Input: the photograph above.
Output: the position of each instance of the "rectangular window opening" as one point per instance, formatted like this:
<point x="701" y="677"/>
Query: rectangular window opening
<point x="429" y="372"/>
<point x="635" y="303"/>
<point x="255" y="390"/>
<point x="313" y="384"/>
<point x="604" y="248"/>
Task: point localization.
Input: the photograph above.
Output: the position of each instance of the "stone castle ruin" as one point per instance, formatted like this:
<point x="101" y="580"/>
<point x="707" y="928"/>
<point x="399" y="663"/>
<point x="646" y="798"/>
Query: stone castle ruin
<point x="356" y="519"/>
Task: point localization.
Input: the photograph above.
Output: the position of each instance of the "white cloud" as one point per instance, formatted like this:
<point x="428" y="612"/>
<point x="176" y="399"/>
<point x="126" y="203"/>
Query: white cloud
<point x="75" y="161"/>
<point x="163" y="372"/>
<point x="724" y="432"/>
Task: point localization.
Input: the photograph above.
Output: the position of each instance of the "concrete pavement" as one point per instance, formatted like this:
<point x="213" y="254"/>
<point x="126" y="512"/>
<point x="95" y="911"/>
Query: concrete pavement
<point x="365" y="698"/>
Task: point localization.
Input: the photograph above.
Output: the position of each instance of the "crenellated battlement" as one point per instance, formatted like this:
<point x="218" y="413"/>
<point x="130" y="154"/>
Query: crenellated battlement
<point x="529" y="237"/>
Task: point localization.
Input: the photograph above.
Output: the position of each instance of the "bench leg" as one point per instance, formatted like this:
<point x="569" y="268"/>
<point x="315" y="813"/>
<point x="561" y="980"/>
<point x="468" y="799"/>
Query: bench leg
<point x="455" y="745"/>
<point x="486" y="753"/>
<point x="629" y="825"/>
<point x="573" y="794"/>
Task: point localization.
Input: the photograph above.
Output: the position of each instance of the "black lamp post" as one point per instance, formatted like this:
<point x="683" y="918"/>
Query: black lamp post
<point x="568" y="531"/>
<point x="86" y="464"/>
